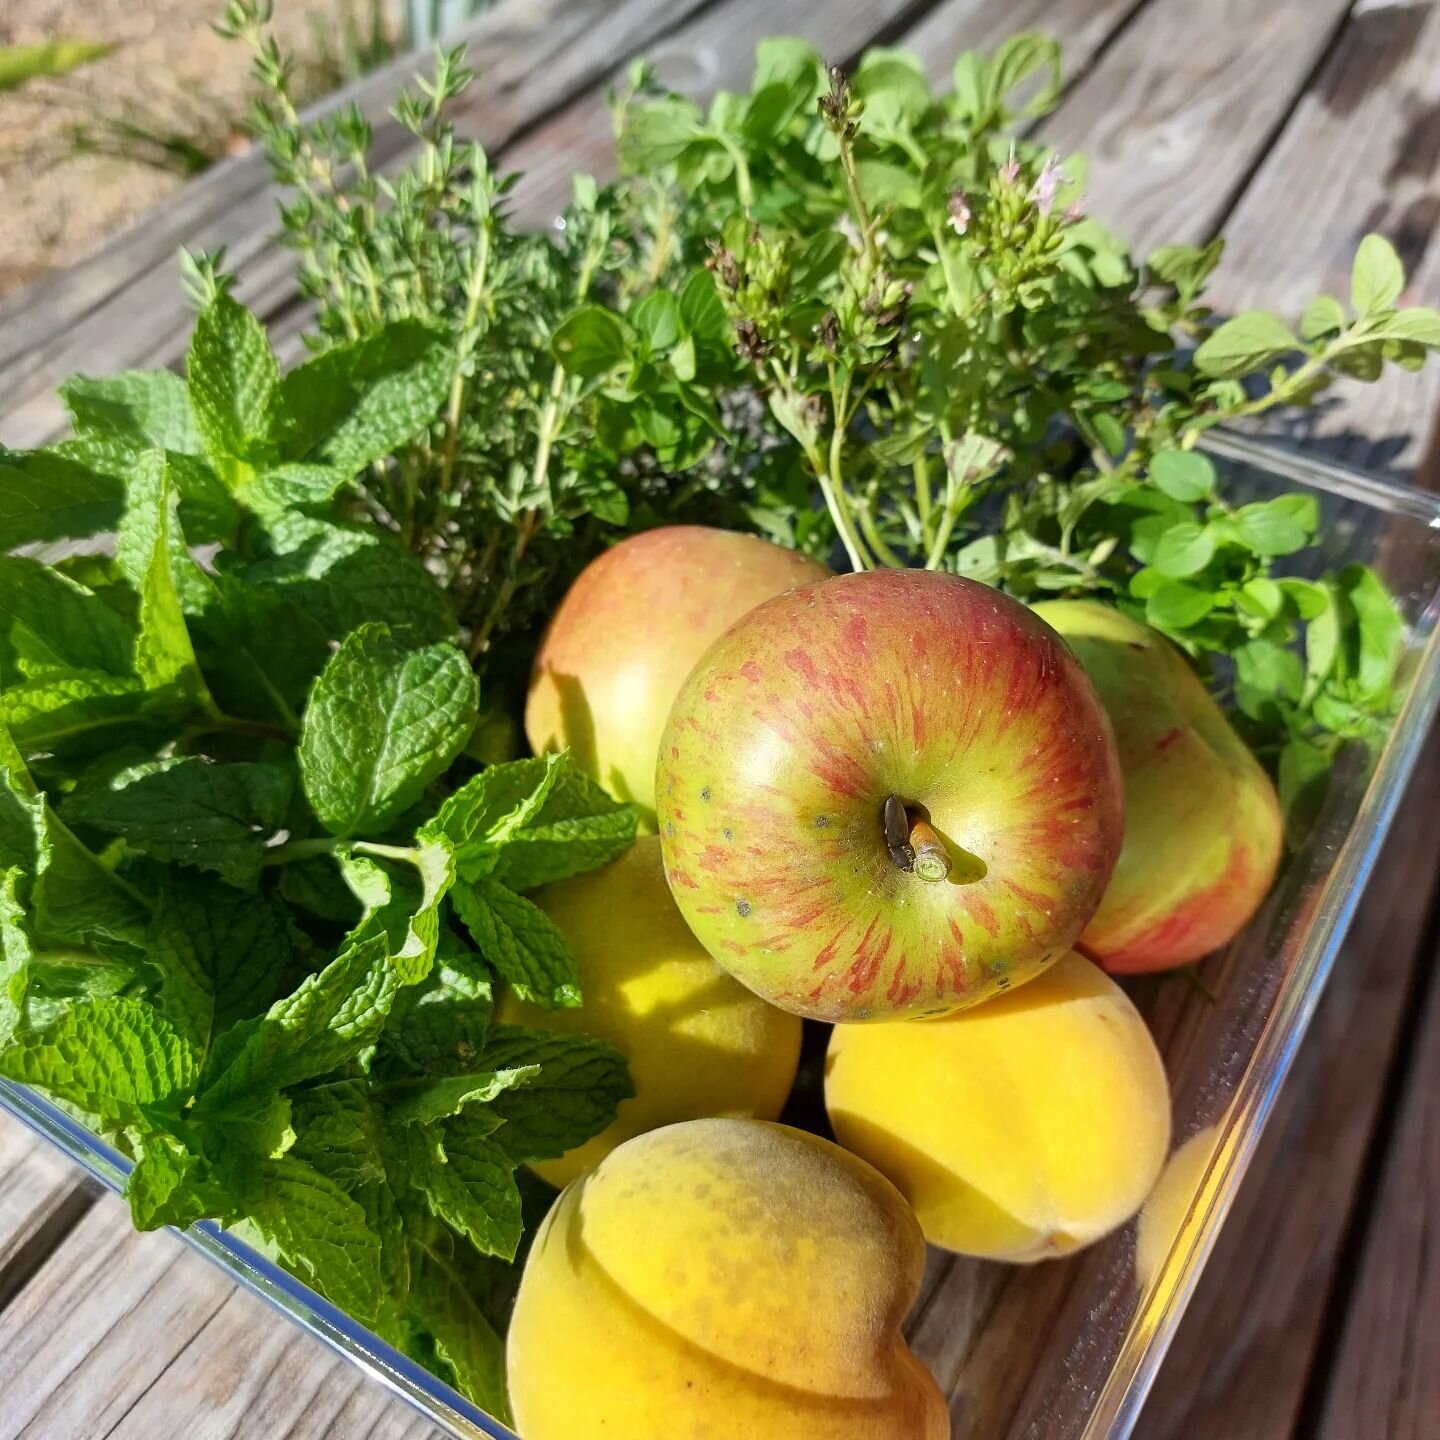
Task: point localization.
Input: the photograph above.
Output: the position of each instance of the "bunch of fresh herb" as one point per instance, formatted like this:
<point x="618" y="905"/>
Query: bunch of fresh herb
<point x="256" y="896"/>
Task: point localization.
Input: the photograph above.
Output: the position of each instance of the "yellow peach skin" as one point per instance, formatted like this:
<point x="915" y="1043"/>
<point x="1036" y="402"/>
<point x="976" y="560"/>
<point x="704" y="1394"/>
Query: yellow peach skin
<point x="629" y="631"/>
<point x="723" y="1280"/>
<point x="1203" y="828"/>
<point x="1026" y="1127"/>
<point x="698" y="1043"/>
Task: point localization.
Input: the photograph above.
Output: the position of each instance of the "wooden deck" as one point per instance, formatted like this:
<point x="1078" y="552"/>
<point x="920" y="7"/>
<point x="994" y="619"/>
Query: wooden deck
<point x="1293" y="125"/>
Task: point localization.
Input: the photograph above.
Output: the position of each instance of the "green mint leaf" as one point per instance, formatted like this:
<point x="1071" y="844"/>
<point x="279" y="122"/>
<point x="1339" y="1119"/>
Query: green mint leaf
<point x="701" y="312"/>
<point x="1264" y="669"/>
<point x="580" y="1086"/>
<point x="402" y="903"/>
<point x="16" y="955"/>
<point x="423" y="1102"/>
<point x="164" y="656"/>
<point x="1308" y="598"/>
<point x="69" y="625"/>
<point x="148" y="406"/>
<point x="1186" y="267"/>
<point x="438" y="1027"/>
<point x="382" y="723"/>
<point x="1322" y="643"/>
<point x="221" y="955"/>
<point x="491" y="807"/>
<point x="74" y="712"/>
<point x="520" y="940"/>
<point x="1183" y="475"/>
<point x="278" y="488"/>
<point x="331" y="1018"/>
<point x="112" y="1058"/>
<point x="1270" y="527"/>
<point x="1248" y="342"/>
<point x="172" y="1185"/>
<point x="464" y="1338"/>
<point x="190" y="810"/>
<point x="1324" y="315"/>
<point x="468" y="1181"/>
<point x="1377" y="276"/>
<point x="342" y="577"/>
<point x="234" y="387"/>
<point x="45" y="496"/>
<point x="578" y="827"/>
<point x="337" y="1131"/>
<point x="316" y="1230"/>
<point x="1183" y="550"/>
<point x="656" y="131"/>
<point x="592" y="341"/>
<point x="1175" y="606"/>
<point x="363" y="401"/>
<point x="1261" y="597"/>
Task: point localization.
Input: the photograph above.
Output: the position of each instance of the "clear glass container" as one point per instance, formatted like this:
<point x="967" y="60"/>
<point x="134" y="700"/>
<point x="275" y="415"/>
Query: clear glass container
<point x="1068" y="1349"/>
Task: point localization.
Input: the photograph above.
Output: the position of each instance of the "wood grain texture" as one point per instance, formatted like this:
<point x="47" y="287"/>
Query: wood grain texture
<point x="131" y="1335"/>
<point x="1385" y="1377"/>
<point x="1361" y="152"/>
<point x="124" y="308"/>
<point x="1179" y="109"/>
<point x="42" y="1196"/>
<point x="1242" y="1359"/>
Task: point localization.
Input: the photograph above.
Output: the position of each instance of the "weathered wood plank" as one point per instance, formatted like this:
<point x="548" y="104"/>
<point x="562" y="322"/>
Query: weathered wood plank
<point x="1361" y="152"/>
<point x="1384" y="1379"/>
<point x="1240" y="1363"/>
<point x="1181" y="107"/>
<point x="123" y="308"/>
<point x="131" y="1335"/>
<point x="42" y="1196"/>
<point x="716" y="51"/>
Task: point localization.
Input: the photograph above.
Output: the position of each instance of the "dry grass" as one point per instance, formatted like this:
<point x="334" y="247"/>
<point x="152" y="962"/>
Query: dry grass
<point x="181" y="90"/>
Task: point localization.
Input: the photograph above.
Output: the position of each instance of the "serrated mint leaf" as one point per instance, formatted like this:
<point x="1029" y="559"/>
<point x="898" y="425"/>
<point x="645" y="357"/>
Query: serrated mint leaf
<point x="73" y="712"/>
<point x="382" y="723"/>
<point x="469" y="1182"/>
<point x="420" y="1102"/>
<point x="338" y="1132"/>
<point x="575" y="1096"/>
<point x="64" y="620"/>
<point x="1183" y="474"/>
<point x="164" y="657"/>
<point x="278" y="488"/>
<point x="112" y="1058"/>
<point x="221" y="955"/>
<point x="464" y="1339"/>
<point x="234" y="388"/>
<point x="189" y="810"/>
<point x="172" y="1185"/>
<point x="1377" y="276"/>
<point x="150" y="406"/>
<point x="362" y="401"/>
<point x="330" y="1019"/>
<point x="529" y="822"/>
<point x="45" y="496"/>
<point x="316" y="1230"/>
<point x="520" y="940"/>
<point x="16" y="954"/>
<point x="344" y="577"/>
<point x="1248" y="342"/>
<point x="1183" y="550"/>
<point x="402" y="902"/>
<point x="438" y="1027"/>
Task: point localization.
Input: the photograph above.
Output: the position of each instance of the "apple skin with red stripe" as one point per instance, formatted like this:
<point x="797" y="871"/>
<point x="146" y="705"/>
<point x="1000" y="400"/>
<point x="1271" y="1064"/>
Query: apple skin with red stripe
<point x="804" y="718"/>
<point x="1203" y="829"/>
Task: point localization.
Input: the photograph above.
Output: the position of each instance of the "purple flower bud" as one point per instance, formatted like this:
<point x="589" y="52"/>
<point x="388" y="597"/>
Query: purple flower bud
<point x="1049" y="181"/>
<point x="1010" y="170"/>
<point x="1075" y="210"/>
<point x="959" y="212"/>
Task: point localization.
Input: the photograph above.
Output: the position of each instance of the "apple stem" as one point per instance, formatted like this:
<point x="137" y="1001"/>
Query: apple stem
<point x="932" y="859"/>
<point x="897" y="834"/>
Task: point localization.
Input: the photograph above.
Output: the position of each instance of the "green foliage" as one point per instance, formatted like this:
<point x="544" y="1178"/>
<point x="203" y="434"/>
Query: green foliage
<point x="22" y="63"/>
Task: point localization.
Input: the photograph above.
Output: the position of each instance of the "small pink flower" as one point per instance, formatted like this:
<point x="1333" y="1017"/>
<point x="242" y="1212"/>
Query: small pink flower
<point x="959" y="212"/>
<point x="1051" y="178"/>
<point x="1010" y="170"/>
<point x="1075" y="210"/>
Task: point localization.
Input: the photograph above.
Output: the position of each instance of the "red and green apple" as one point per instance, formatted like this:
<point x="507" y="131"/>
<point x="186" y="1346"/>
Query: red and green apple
<point x="888" y="794"/>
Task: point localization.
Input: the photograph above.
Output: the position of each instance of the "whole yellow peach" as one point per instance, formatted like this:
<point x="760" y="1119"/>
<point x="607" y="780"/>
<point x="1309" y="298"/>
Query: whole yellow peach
<point x="698" y="1042"/>
<point x="723" y="1280"/>
<point x="1023" y="1128"/>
